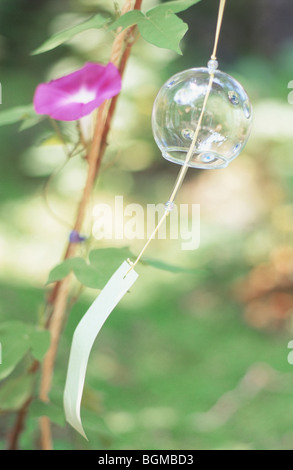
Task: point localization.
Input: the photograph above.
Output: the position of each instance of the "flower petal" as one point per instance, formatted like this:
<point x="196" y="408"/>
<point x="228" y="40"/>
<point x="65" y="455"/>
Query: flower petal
<point x="76" y="95"/>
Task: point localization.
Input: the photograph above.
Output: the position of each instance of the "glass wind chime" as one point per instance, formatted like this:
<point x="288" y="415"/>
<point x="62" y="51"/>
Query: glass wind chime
<point x="201" y="118"/>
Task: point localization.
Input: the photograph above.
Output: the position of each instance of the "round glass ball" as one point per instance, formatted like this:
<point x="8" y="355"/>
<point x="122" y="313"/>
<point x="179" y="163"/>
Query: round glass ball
<point x="225" y="125"/>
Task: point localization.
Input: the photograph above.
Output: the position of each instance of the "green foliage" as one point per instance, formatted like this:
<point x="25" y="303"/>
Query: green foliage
<point x="102" y="264"/>
<point x="159" y="26"/>
<point x="25" y="115"/>
<point x="52" y="411"/>
<point x="63" y="269"/>
<point x="19" y="114"/>
<point x="17" y="338"/>
<point x="163" y="29"/>
<point x="15" y="392"/>
<point x="128" y="19"/>
<point x="106" y="260"/>
<point x="95" y="22"/>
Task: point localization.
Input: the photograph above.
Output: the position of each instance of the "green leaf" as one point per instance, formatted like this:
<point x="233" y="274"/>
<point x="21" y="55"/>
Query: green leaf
<point x="103" y="263"/>
<point x="88" y="276"/>
<point x="14" y="393"/>
<point x="175" y="6"/>
<point x="51" y="410"/>
<point x="163" y="29"/>
<point x="39" y="342"/>
<point x="85" y="274"/>
<point x="95" y="22"/>
<point x="63" y="269"/>
<point x="128" y="19"/>
<point x="160" y="25"/>
<point x="19" y="113"/>
<point x="30" y="122"/>
<point x="16" y="339"/>
<point x="107" y="260"/>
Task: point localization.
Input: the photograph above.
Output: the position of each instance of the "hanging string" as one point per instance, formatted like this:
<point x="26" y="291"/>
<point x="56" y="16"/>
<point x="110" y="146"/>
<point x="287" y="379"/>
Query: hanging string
<point x="218" y="29"/>
<point x="170" y="203"/>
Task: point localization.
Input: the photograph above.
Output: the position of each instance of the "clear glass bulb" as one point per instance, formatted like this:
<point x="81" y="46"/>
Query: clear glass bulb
<point x="225" y="126"/>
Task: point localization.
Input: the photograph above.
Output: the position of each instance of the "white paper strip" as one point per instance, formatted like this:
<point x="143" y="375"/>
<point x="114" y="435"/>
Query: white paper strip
<point x="84" y="337"/>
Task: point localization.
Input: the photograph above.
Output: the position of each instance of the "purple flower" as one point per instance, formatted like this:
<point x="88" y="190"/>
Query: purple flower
<point x="76" y="95"/>
<point x="75" y="237"/>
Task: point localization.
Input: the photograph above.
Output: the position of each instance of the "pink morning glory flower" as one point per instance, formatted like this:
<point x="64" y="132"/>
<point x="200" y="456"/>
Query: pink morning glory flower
<point x="73" y="96"/>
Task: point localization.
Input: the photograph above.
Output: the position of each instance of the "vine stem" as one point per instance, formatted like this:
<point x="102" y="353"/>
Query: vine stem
<point x="59" y="298"/>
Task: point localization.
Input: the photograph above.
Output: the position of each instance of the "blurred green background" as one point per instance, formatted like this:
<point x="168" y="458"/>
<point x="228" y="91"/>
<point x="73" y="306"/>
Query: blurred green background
<point x="186" y="361"/>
